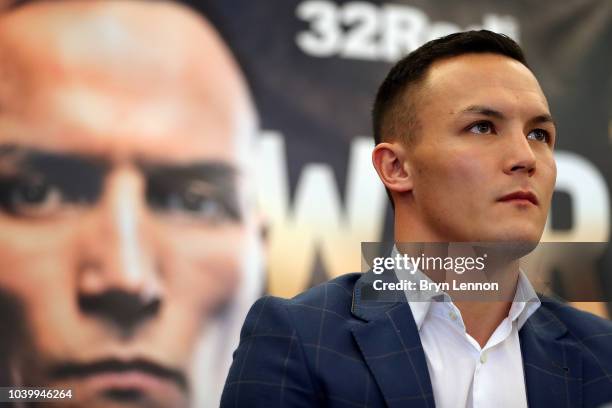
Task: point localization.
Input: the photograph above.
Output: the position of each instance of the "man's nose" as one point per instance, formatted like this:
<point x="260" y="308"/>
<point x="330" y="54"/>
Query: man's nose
<point x="119" y="278"/>
<point x="519" y="157"/>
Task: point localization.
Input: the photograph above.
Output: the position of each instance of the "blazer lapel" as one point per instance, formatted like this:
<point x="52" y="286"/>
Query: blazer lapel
<point x="390" y="343"/>
<point x="552" y="364"/>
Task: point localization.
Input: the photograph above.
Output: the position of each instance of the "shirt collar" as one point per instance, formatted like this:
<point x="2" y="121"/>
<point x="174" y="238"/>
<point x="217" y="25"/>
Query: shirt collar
<point x="524" y="304"/>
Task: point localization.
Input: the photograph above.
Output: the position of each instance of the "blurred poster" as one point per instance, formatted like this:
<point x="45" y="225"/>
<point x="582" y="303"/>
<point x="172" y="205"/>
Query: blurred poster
<point x="130" y="248"/>
<point x="163" y="164"/>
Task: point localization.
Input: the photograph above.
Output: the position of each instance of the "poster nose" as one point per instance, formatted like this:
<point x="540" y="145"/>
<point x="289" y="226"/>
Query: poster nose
<point x="125" y="260"/>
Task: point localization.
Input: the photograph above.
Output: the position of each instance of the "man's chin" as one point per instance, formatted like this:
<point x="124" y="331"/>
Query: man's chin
<point x="514" y="240"/>
<point x="524" y="232"/>
<point x="121" y="390"/>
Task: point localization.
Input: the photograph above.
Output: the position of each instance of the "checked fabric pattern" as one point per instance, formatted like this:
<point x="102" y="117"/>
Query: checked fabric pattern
<point x="329" y="348"/>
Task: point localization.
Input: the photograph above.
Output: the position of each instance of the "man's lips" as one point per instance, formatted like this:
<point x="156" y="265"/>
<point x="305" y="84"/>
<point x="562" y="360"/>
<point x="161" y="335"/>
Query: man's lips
<point x="112" y="373"/>
<point x="520" y="196"/>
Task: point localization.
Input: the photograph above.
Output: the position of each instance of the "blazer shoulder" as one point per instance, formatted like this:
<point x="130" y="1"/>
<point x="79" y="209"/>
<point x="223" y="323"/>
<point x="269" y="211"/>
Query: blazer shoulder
<point x="274" y="314"/>
<point x="580" y="324"/>
<point x="338" y="288"/>
<point x="272" y="365"/>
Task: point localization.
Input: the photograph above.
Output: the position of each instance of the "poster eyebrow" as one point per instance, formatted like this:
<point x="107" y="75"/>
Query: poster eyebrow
<point x="44" y="159"/>
<point x="209" y="169"/>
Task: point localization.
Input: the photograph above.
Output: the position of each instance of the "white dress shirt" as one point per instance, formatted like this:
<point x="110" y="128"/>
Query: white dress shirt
<point x="462" y="373"/>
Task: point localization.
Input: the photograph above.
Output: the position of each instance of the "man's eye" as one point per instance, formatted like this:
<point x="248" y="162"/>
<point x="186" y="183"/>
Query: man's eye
<point x="30" y="198"/>
<point x="198" y="205"/>
<point x="203" y="205"/>
<point x="481" y="128"/>
<point x="539" y="135"/>
<point x="192" y="200"/>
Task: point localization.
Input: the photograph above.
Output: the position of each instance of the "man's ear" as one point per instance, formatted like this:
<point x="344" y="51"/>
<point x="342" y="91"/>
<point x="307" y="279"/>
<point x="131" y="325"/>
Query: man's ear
<point x="391" y="164"/>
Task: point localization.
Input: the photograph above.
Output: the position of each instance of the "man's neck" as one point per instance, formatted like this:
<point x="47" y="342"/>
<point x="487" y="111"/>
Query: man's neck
<point x="482" y="318"/>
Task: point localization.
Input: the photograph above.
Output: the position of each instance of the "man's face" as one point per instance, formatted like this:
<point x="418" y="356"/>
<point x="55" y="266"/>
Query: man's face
<point x="122" y="201"/>
<point x="484" y="132"/>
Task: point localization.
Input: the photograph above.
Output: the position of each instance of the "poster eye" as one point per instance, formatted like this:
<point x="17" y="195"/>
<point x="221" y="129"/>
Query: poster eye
<point x="34" y="198"/>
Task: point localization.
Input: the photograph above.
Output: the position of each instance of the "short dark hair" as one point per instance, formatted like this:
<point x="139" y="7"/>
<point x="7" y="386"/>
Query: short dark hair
<point x="388" y="112"/>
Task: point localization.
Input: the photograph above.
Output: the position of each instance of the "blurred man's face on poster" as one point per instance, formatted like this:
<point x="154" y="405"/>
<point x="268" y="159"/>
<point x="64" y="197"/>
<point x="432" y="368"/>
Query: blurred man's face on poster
<point x="123" y="209"/>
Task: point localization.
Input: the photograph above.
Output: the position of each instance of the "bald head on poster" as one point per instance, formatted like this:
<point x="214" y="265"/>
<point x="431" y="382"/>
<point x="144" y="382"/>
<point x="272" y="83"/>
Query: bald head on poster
<point x="129" y="247"/>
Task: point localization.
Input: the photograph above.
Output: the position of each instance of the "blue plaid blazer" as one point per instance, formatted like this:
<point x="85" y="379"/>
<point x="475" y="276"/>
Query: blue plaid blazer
<point x="329" y="348"/>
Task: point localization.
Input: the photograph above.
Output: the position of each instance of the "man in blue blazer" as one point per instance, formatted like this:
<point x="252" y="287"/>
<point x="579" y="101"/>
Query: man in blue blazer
<point x="464" y="146"/>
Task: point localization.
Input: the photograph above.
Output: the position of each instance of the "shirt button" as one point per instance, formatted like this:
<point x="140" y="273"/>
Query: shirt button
<point x="453" y="316"/>
<point x="483" y="358"/>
